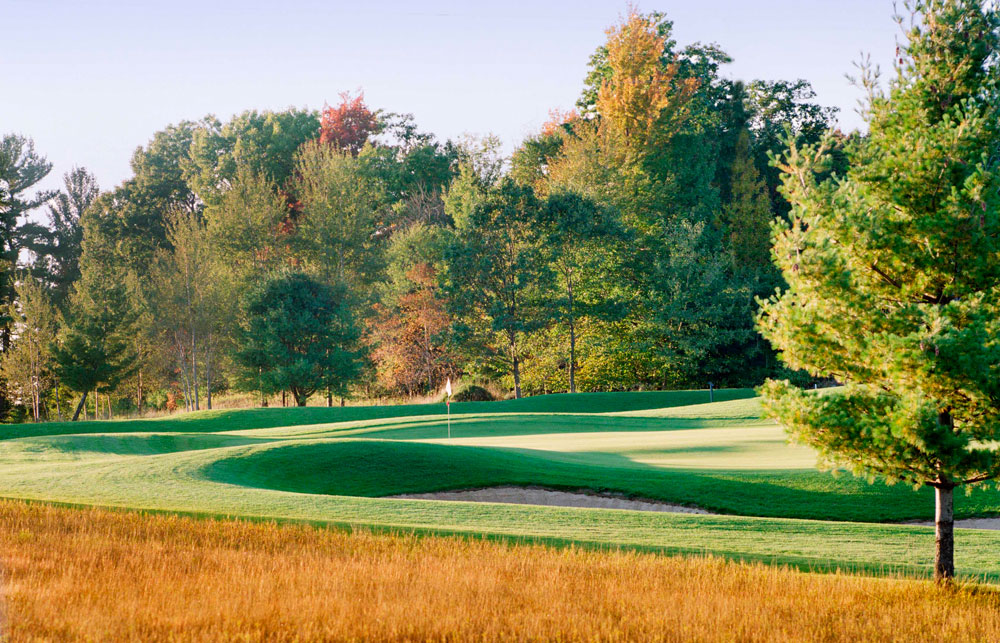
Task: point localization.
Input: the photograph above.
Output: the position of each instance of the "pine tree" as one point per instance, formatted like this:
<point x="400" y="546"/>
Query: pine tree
<point x="58" y="256"/>
<point x="893" y="273"/>
<point x="94" y="351"/>
<point x="746" y="218"/>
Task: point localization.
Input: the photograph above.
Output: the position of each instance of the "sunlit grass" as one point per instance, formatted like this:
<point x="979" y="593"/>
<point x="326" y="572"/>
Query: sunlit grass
<point x="97" y="575"/>
<point x="721" y="457"/>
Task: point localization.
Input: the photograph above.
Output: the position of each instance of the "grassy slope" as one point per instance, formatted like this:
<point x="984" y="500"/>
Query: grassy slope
<point x="719" y="456"/>
<point x="242" y="419"/>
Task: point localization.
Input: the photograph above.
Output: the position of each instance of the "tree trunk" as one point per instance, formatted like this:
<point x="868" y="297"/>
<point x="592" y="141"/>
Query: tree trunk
<point x="182" y="362"/>
<point x="329" y="397"/>
<point x="944" y="526"/>
<point x="572" y="336"/>
<point x="139" y="394"/>
<point x="283" y="404"/>
<point x="208" y="378"/>
<point x="79" y="407"/>
<point x="517" y="377"/>
<point x="194" y="369"/>
<point x="58" y="403"/>
<point x="572" y="356"/>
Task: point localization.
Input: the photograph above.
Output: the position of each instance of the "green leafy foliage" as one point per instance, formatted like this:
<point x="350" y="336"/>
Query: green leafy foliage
<point x="94" y="351"/>
<point x="298" y="334"/>
<point x="495" y="270"/>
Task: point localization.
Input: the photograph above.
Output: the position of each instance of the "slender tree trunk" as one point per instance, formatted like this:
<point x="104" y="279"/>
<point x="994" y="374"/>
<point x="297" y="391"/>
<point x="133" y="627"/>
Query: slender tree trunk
<point x="517" y="372"/>
<point x="139" y="394"/>
<point x="58" y="403"/>
<point x="111" y="412"/>
<point x="208" y="377"/>
<point x="97" y="405"/>
<point x="194" y="369"/>
<point x="182" y="366"/>
<point x="572" y="339"/>
<point x="79" y="407"/>
<point x="944" y="527"/>
<point x="329" y="397"/>
<point x="283" y="404"/>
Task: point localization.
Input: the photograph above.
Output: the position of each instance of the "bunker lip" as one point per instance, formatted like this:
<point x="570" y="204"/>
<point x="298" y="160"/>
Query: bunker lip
<point x="552" y="498"/>
<point x="964" y="523"/>
<point x="587" y="498"/>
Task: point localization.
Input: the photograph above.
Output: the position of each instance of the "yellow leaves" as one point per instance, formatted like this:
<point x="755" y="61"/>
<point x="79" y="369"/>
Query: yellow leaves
<point x="641" y="88"/>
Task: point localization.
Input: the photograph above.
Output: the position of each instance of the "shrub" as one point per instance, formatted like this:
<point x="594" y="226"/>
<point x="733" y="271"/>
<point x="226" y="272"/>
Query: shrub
<point x="473" y="393"/>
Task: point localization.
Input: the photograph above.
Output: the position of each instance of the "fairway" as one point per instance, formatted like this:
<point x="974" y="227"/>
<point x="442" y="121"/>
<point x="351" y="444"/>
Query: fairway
<point x="335" y="465"/>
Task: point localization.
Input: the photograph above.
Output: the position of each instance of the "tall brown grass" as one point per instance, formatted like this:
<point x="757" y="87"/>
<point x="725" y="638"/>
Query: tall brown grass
<point x="103" y="575"/>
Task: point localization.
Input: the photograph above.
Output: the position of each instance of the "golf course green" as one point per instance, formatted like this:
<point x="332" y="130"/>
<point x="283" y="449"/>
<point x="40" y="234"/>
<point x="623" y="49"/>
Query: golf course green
<point x="336" y="466"/>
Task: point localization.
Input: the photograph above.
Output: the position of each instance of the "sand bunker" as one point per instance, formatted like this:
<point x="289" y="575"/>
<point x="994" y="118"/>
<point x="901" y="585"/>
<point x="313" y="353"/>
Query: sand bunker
<point x="553" y="498"/>
<point x="966" y="523"/>
<point x="593" y="500"/>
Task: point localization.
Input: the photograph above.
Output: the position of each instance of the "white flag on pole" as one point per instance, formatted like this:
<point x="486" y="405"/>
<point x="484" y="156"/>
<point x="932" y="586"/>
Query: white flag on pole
<point x="447" y="388"/>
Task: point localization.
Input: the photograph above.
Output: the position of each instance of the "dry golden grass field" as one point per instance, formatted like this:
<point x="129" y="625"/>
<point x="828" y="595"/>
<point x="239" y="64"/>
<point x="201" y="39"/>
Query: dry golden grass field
<point x="92" y="574"/>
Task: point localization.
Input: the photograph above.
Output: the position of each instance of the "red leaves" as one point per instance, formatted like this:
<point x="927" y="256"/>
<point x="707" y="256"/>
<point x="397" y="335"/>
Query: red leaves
<point x="348" y="125"/>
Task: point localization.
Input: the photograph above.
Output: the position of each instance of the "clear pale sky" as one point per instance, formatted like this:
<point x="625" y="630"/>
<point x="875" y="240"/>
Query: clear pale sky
<point x="90" y="80"/>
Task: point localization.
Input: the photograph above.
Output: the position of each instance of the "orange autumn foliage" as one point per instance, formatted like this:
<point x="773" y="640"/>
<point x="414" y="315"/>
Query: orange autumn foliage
<point x="641" y="91"/>
<point x="558" y="118"/>
<point x="407" y="350"/>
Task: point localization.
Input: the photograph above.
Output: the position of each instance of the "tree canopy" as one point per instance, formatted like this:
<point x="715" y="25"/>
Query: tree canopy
<point x="893" y="274"/>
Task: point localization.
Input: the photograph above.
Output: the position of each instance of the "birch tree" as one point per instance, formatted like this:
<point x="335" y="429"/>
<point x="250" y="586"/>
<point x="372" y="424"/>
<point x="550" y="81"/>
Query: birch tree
<point x="27" y="366"/>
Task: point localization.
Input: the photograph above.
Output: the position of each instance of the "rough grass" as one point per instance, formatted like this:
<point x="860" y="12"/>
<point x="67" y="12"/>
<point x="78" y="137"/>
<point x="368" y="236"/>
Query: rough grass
<point x="100" y="575"/>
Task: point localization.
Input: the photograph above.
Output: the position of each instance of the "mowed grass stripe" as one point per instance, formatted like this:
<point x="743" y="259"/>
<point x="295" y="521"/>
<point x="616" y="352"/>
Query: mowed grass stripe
<point x="243" y="419"/>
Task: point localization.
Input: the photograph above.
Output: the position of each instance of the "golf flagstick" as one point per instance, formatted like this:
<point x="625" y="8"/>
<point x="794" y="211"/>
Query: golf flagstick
<point x="447" y="403"/>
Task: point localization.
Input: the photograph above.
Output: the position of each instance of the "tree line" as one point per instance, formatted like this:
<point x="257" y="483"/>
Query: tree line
<point x="347" y="252"/>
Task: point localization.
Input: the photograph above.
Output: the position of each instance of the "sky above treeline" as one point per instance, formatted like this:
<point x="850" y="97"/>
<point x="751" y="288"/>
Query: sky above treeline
<point x="90" y="81"/>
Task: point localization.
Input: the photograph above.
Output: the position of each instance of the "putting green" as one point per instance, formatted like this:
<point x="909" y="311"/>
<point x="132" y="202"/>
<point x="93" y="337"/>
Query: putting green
<point x="333" y="466"/>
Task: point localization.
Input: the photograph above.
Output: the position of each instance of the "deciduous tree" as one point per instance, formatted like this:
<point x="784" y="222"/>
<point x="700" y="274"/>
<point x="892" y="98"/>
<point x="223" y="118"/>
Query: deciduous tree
<point x="298" y="335"/>
<point x="412" y="348"/>
<point x="496" y="270"/>
<point x="342" y="208"/>
<point x="349" y="125"/>
<point x="27" y="365"/>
